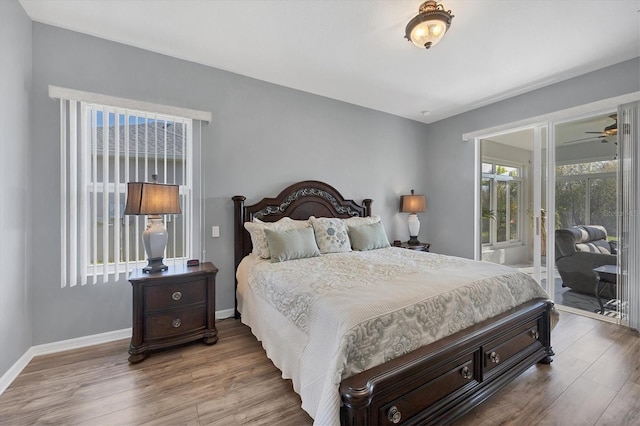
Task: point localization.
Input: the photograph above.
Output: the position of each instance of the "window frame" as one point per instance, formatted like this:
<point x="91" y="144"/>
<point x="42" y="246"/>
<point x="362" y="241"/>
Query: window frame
<point x="493" y="179"/>
<point x="89" y="260"/>
<point x="72" y="247"/>
<point x="586" y="179"/>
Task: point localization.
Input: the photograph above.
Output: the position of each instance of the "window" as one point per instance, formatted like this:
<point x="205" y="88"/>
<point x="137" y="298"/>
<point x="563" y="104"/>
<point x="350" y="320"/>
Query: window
<point x="501" y="192"/>
<point x="586" y="193"/>
<point x="102" y="148"/>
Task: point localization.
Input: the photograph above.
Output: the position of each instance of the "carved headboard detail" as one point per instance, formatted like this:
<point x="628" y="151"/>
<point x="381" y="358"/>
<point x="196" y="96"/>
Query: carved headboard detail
<point x="298" y="201"/>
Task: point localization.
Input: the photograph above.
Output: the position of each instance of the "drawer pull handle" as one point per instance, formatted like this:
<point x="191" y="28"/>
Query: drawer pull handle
<point x="534" y="334"/>
<point x="176" y="296"/>
<point x="466" y="373"/>
<point x="494" y="357"/>
<point x="176" y="323"/>
<point x="394" y="415"/>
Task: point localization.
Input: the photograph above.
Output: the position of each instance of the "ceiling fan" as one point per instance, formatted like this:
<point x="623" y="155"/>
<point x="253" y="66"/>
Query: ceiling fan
<point x="608" y="131"/>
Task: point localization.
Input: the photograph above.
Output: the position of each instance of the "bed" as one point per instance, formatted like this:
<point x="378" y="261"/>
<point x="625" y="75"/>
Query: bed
<point x="351" y="361"/>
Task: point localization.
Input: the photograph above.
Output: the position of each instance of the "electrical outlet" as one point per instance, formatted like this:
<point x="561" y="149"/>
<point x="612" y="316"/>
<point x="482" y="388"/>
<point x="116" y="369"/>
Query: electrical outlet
<point x="215" y="231"/>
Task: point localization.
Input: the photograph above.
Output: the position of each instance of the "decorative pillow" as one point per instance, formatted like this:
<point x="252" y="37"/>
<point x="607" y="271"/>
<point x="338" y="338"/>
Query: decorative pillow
<point x="291" y="244"/>
<point x="368" y="237"/>
<point x="331" y="234"/>
<point x="258" y="237"/>
<point x="357" y="220"/>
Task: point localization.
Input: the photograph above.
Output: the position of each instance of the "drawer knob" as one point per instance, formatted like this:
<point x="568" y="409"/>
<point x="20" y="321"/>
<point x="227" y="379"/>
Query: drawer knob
<point x="394" y="415"/>
<point x="176" y="323"/>
<point x="534" y="334"/>
<point x="494" y="357"/>
<point x="176" y="295"/>
<point x="466" y="373"/>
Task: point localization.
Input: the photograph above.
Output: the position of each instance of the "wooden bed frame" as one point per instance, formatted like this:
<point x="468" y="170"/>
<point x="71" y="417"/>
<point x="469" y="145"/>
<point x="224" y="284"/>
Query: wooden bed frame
<point x="434" y="384"/>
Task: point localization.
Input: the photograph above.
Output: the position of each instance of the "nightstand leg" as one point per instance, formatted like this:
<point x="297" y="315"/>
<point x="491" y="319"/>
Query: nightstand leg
<point x="212" y="338"/>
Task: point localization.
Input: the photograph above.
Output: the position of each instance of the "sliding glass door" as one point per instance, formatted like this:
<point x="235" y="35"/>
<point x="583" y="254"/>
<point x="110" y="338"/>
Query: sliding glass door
<point x="512" y="200"/>
<point x="581" y="168"/>
<point x="629" y="214"/>
<point x="586" y="200"/>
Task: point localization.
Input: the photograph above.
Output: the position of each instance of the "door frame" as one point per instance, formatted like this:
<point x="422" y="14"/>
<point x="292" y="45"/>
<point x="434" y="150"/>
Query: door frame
<point x="550" y="120"/>
<point x="536" y="128"/>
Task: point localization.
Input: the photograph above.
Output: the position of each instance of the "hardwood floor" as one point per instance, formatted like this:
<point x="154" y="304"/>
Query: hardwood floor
<point x="594" y="380"/>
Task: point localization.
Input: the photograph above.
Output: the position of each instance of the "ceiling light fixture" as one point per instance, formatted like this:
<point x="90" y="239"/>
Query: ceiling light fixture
<point x="428" y="27"/>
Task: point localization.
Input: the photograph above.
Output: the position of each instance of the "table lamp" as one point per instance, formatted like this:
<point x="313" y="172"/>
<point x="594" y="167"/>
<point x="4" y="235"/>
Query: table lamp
<point x="153" y="199"/>
<point x="413" y="204"/>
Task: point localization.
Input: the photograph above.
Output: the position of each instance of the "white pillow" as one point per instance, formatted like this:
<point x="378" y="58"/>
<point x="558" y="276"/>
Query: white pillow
<point x="331" y="234"/>
<point x="258" y="237"/>
<point x="358" y="221"/>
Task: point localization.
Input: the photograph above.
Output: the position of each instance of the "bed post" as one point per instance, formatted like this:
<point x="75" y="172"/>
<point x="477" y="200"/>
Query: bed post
<point x="546" y="327"/>
<point x="238" y="235"/>
<point x="367" y="206"/>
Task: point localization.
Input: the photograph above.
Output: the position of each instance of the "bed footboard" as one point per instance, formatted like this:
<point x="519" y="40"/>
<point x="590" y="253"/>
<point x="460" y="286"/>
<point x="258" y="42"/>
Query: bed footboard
<point x="442" y="381"/>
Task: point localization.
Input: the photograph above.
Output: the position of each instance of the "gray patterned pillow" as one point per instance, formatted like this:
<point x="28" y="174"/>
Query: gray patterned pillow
<point x="331" y="235"/>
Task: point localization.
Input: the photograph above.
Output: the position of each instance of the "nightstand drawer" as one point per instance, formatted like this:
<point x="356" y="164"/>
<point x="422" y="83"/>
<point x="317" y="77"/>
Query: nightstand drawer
<point x="175" y="322"/>
<point x="174" y="295"/>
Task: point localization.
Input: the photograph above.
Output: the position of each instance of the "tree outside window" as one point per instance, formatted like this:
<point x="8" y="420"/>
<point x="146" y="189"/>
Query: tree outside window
<point x="501" y="194"/>
<point x="586" y="194"/>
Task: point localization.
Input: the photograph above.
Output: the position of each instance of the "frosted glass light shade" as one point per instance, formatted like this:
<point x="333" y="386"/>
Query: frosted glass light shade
<point x="427" y="28"/>
<point x="428" y="33"/>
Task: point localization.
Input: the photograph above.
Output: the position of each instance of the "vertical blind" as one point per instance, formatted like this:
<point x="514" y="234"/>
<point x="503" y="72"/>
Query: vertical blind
<point x="102" y="148"/>
<point x="629" y="213"/>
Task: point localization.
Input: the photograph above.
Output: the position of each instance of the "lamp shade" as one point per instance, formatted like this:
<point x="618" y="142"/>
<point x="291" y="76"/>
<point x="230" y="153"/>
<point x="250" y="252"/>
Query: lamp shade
<point x="428" y="27"/>
<point x="413" y="203"/>
<point x="152" y="199"/>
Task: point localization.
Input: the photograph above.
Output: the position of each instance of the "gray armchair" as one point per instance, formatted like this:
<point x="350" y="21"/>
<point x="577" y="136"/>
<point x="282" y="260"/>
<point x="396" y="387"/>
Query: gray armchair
<point x="580" y="249"/>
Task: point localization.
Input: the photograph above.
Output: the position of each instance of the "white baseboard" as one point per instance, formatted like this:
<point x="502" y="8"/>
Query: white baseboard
<point x="79" y="342"/>
<point x="13" y="372"/>
<point x="61" y="346"/>
<point x="227" y="313"/>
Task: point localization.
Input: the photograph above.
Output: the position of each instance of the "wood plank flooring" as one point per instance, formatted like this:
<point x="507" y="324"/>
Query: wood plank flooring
<point x="594" y="380"/>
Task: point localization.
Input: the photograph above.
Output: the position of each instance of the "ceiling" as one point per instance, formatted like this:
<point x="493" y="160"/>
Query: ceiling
<point x="354" y="50"/>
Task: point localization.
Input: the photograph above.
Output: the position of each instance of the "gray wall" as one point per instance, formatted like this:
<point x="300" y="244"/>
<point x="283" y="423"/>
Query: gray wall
<point x="262" y="138"/>
<point x="446" y="156"/>
<point x="15" y="148"/>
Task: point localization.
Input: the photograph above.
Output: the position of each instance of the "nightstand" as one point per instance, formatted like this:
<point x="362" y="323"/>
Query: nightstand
<point x="172" y="307"/>
<point x="417" y="247"/>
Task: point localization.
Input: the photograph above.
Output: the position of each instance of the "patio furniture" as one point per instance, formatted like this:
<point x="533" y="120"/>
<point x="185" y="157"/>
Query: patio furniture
<point x="606" y="275"/>
<point x="579" y="250"/>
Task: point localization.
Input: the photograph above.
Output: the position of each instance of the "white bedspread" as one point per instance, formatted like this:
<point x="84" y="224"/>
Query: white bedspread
<point x="326" y="318"/>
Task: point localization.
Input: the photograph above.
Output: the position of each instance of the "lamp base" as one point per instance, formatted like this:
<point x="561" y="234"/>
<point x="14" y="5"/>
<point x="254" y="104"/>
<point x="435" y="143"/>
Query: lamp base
<point x="414" y="229"/>
<point x="154" y="239"/>
<point x="154" y="265"/>
<point x="413" y="241"/>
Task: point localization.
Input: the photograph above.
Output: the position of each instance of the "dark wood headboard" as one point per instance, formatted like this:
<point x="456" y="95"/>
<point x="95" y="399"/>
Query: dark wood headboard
<point x="298" y="201"/>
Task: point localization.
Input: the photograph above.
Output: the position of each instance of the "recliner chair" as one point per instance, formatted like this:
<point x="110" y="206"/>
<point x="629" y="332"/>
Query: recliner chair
<point x="579" y="250"/>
